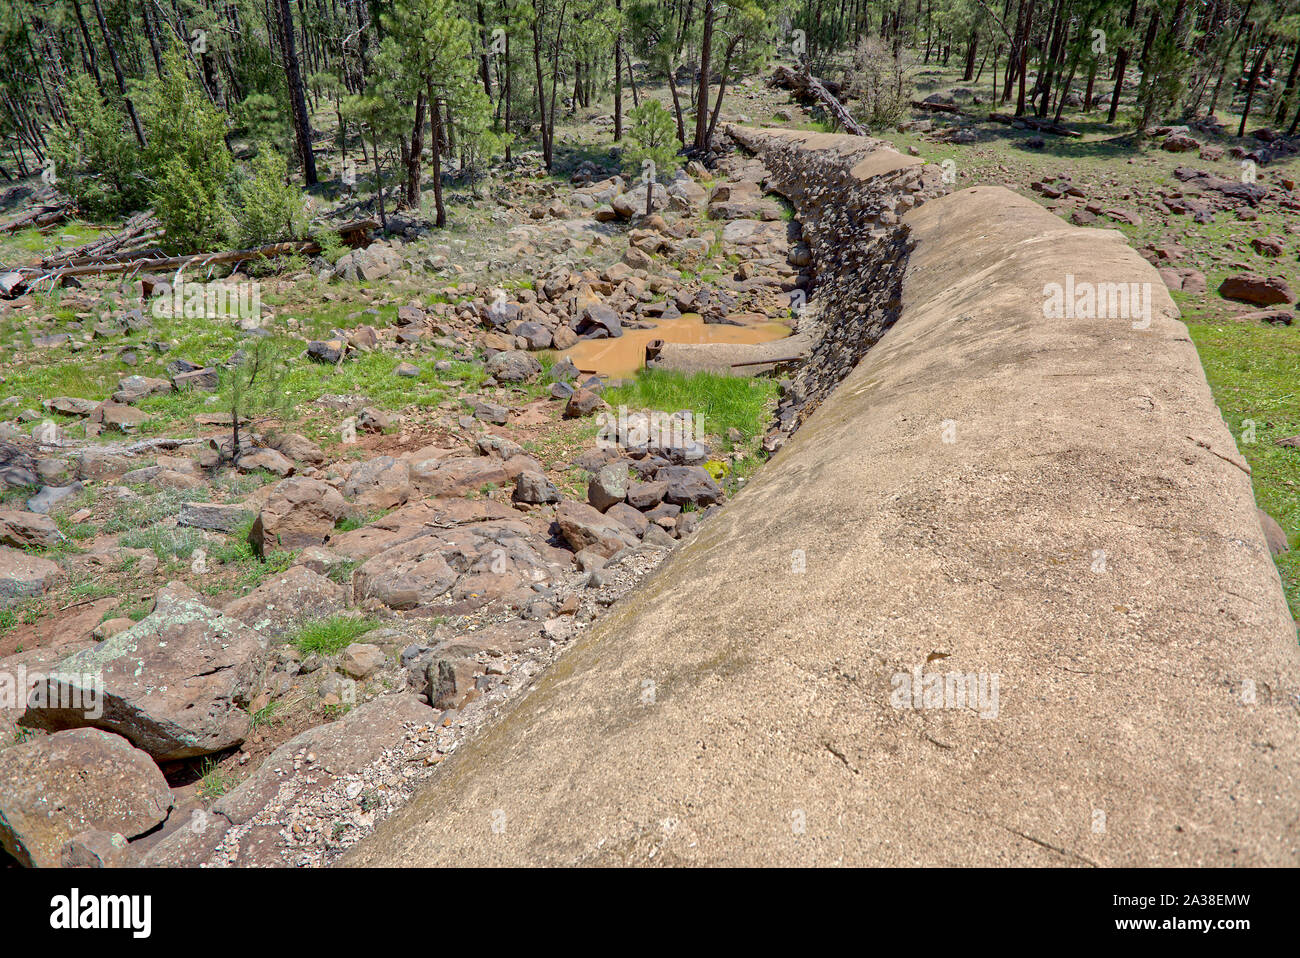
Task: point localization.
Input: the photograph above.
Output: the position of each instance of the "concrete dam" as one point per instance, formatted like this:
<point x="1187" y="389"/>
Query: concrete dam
<point x="1001" y="598"/>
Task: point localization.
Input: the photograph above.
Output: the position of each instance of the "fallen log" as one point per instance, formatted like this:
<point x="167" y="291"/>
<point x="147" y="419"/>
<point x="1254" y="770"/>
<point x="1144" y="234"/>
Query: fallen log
<point x="106" y="258"/>
<point x="789" y="79"/>
<point x="807" y="86"/>
<point x="355" y="233"/>
<point x="938" y="107"/>
<point x="47" y="215"/>
<point x="1041" y="126"/>
<point x="133" y="263"/>
<point x="138" y="229"/>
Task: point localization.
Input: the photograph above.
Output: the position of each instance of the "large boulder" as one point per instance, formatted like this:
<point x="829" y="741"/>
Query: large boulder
<point x="175" y="684"/>
<point x="285" y="601"/>
<point x="534" y="487"/>
<point x="608" y="486"/>
<point x="632" y="203"/>
<point x="688" y="484"/>
<point x="217" y="516"/>
<point x="23" y="575"/>
<point x="406" y="576"/>
<point x="1179" y="143"/>
<point x="598" y="321"/>
<point x="440" y="477"/>
<point x="586" y="528"/>
<point x="27" y="529"/>
<point x="297" y="447"/>
<point x="134" y="388"/>
<point x="17" y="468"/>
<point x="380" y="483"/>
<point x="56" y="787"/>
<point x="1260" y="290"/>
<point x="513" y="366"/>
<point x="298" y="513"/>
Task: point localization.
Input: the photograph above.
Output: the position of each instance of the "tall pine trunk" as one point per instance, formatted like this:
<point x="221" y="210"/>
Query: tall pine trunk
<point x="117" y="72"/>
<point x="702" y="95"/>
<point x="297" y="96"/>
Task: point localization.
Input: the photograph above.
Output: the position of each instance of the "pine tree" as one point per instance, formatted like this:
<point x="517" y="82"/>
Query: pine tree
<point x="652" y="147"/>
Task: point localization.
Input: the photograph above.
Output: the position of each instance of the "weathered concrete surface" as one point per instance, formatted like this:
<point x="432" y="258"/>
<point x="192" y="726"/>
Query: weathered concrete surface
<point x="1090" y="536"/>
<point x="731" y="359"/>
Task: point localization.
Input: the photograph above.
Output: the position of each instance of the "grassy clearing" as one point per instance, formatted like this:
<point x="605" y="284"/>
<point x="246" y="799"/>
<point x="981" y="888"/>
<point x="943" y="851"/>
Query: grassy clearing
<point x="332" y="635"/>
<point x="93" y="371"/>
<point x="1254" y="372"/>
<point x="719" y="403"/>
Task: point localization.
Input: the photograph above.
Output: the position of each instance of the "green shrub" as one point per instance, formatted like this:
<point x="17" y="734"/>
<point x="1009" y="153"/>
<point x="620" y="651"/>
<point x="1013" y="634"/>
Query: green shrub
<point x="189" y="160"/>
<point x="96" y="160"/>
<point x="270" y="208"/>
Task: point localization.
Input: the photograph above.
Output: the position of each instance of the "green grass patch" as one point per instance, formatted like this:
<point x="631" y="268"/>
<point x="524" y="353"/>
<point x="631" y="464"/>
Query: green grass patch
<point x="718" y="403"/>
<point x="1252" y="369"/>
<point x="164" y="543"/>
<point x="214" y="781"/>
<point x="328" y="636"/>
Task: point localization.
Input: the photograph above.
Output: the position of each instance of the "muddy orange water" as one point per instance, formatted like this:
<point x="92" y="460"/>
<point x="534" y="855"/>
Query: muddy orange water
<point x="623" y="356"/>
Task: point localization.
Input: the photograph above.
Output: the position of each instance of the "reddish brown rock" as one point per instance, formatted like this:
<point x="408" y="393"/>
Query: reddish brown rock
<point x="55" y="788"/>
<point x="586" y="528"/>
<point x="175" y="685"/>
<point x="1260" y="290"/>
<point x="298" y="513"/>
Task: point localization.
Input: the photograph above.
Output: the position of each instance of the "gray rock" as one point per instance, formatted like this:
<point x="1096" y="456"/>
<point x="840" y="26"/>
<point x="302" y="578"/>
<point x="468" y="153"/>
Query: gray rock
<point x="608" y="486"/>
<point x="217" y="516"/>
<point x="17" y="468"/>
<point x="513" y="366"/>
<point x="533" y="487"/>
<point x="50" y="496"/>
<point x="689" y="484"/>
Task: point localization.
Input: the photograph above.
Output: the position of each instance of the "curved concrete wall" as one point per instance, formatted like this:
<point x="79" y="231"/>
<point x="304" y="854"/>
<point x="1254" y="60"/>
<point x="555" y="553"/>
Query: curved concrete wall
<point x="1054" y="501"/>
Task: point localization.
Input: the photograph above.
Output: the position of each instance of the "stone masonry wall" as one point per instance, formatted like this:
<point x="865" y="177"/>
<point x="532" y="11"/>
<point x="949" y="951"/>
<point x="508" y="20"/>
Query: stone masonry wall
<point x="850" y="201"/>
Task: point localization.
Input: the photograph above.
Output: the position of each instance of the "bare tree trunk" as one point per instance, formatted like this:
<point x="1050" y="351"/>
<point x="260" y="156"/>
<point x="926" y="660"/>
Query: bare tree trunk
<point x="722" y="87"/>
<point x="541" y="85"/>
<point x="1252" y="83"/>
<point x="702" y="95"/>
<point x="152" y="33"/>
<point x="91" y="56"/>
<point x="618" y="75"/>
<point x="297" y="97"/>
<point x="435" y="156"/>
<point x="117" y="72"/>
<point x="631" y="80"/>
<point x="1121" y="65"/>
<point x="484" y="70"/>
<point x="413" y="155"/>
<point x="677" y="108"/>
<point x="969" y="73"/>
<point x="1285" y="99"/>
<point x="505" y="92"/>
